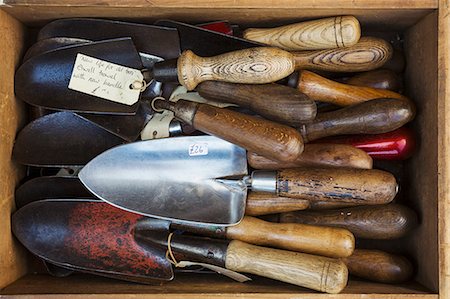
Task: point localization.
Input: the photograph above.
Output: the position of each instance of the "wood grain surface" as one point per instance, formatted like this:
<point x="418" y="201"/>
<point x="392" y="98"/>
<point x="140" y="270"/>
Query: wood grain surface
<point x="315" y="272"/>
<point x="335" y="32"/>
<point x="263" y="203"/>
<point x="319" y="240"/>
<point x="370" y="222"/>
<point x="380" y="79"/>
<point x="368" y="54"/>
<point x="255" y="65"/>
<point x="318" y="155"/>
<point x="372" y="117"/>
<point x="363" y="186"/>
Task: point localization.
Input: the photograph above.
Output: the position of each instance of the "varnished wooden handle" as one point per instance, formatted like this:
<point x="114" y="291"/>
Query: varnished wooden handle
<point x="379" y="266"/>
<point x="262" y="203"/>
<point x="368" y="54"/>
<point x="279" y="142"/>
<point x="319" y="240"/>
<point x="328" y="33"/>
<point x="374" y="222"/>
<point x="364" y="186"/>
<point x="373" y="117"/>
<point x="380" y="79"/>
<point x="321" y="89"/>
<point x="255" y="66"/>
<point x="318" y="155"/>
<point x="310" y="271"/>
<point x="273" y="101"/>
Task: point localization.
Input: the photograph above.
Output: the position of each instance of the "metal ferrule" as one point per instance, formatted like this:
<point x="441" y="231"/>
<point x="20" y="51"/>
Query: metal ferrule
<point x="264" y="181"/>
<point x="175" y="128"/>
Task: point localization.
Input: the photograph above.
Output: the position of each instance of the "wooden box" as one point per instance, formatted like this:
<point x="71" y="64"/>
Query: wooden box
<point x="425" y="26"/>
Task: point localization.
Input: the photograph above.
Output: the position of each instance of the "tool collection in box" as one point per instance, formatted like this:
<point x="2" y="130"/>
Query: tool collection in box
<point x="273" y="152"/>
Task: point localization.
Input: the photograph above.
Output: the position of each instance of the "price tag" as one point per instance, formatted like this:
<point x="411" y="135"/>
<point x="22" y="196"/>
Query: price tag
<point x="198" y="149"/>
<point x="106" y="80"/>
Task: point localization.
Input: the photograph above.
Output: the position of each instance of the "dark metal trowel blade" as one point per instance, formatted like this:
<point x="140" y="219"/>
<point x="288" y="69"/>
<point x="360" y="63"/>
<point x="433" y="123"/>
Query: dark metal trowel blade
<point x="43" y="80"/>
<point x="61" y="139"/>
<point x="90" y="236"/>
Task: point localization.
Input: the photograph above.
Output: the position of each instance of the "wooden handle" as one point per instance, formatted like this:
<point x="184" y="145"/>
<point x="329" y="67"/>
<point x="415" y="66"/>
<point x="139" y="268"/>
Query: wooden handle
<point x="373" y="117"/>
<point x="374" y="222"/>
<point x="273" y="101"/>
<point x="328" y="33"/>
<point x="380" y="79"/>
<point x="310" y="271"/>
<point x="379" y="266"/>
<point x="364" y="186"/>
<point x="279" y="142"/>
<point x="368" y="54"/>
<point x="319" y="240"/>
<point x="326" y="205"/>
<point x="318" y="155"/>
<point x="255" y="66"/>
<point x="324" y="90"/>
<point x="262" y="203"/>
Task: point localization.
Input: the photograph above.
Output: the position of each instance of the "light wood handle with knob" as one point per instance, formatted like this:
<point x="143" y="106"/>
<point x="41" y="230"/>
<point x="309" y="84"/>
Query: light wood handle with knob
<point x="263" y="203"/>
<point x="368" y="54"/>
<point x="310" y="271"/>
<point x="335" y="32"/>
<point x="255" y="66"/>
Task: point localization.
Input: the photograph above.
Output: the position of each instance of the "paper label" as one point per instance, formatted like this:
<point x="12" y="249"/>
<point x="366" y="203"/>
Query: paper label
<point x="198" y="149"/>
<point x="105" y="80"/>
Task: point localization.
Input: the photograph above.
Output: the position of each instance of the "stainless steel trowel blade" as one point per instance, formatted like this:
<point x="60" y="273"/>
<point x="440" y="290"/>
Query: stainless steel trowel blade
<point x="172" y="178"/>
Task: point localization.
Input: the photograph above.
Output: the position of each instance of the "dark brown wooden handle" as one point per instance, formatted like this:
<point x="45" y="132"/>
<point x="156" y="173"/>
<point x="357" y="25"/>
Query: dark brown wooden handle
<point x="255" y="66"/>
<point x="368" y="54"/>
<point x="335" y="32"/>
<point x="364" y="186"/>
<point x="318" y="155"/>
<point x="319" y="240"/>
<point x="373" y="117"/>
<point x="279" y="142"/>
<point x="380" y="79"/>
<point x="379" y="266"/>
<point x="321" y="89"/>
<point x="262" y="203"/>
<point x="273" y="101"/>
<point x="369" y="222"/>
<point x="310" y="271"/>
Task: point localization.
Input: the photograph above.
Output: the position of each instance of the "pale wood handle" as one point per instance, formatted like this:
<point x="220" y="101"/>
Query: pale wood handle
<point x="262" y="203"/>
<point x="364" y="186"/>
<point x="321" y="89"/>
<point x="319" y="240"/>
<point x="368" y="54"/>
<point x="310" y="271"/>
<point x="335" y="32"/>
<point x="255" y="66"/>
<point x="318" y="155"/>
<point x="379" y="266"/>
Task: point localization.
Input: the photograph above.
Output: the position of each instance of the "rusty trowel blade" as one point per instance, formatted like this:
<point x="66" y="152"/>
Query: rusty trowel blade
<point x="160" y="41"/>
<point x="61" y="139"/>
<point x="90" y="236"/>
<point x="43" y="80"/>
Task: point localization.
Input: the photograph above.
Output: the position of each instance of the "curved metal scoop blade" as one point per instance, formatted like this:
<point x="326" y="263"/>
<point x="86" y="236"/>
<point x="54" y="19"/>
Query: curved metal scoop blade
<point x="172" y="178"/>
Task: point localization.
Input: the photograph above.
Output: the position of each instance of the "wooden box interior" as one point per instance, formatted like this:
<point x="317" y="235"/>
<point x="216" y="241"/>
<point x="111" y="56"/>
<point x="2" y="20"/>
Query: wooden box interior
<point x="419" y="28"/>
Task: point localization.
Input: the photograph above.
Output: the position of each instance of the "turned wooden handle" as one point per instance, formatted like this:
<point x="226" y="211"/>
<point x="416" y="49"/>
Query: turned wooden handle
<point x="273" y="101"/>
<point x="279" y="142"/>
<point x="379" y="266"/>
<point x="324" y="90"/>
<point x="380" y="79"/>
<point x="374" y="222"/>
<point x="368" y="54"/>
<point x="263" y="203"/>
<point x="310" y="271"/>
<point x="319" y="240"/>
<point x="255" y="66"/>
<point x="364" y="186"/>
<point x="317" y="155"/>
<point x="373" y="117"/>
<point x="335" y="32"/>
